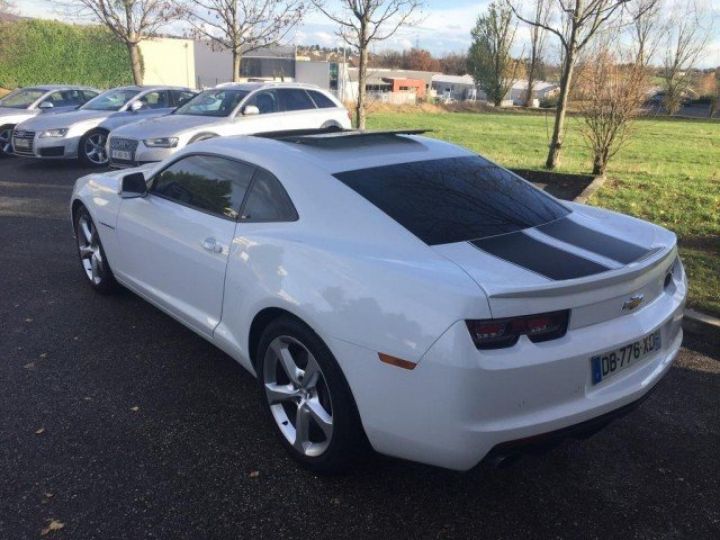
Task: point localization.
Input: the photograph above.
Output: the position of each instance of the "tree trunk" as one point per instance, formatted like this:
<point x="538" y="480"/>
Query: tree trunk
<point x="557" y="138"/>
<point x="599" y="164"/>
<point x="362" y="77"/>
<point x="236" y="58"/>
<point x="531" y="83"/>
<point x="136" y="62"/>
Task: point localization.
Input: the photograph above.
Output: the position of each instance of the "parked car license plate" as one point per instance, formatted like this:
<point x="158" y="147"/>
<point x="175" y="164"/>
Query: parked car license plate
<point x="121" y="154"/>
<point x="22" y="143"/>
<point x="609" y="363"/>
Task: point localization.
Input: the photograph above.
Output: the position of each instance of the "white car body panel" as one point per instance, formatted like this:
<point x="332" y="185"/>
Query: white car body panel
<point x="366" y="285"/>
<point x="186" y="127"/>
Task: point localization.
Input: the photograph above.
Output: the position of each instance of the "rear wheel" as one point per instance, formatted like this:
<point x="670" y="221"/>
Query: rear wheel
<point x="6" y="140"/>
<point x="308" y="399"/>
<point x="92" y="149"/>
<point x="92" y="256"/>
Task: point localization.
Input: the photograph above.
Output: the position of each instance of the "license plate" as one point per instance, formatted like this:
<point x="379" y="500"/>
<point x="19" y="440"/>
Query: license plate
<point x="22" y="143"/>
<point x="121" y="154"/>
<point x="609" y="363"/>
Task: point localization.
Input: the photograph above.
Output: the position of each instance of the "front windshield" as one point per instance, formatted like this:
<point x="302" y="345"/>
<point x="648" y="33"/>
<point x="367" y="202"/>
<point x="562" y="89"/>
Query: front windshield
<point x="22" y="99"/>
<point x="112" y="100"/>
<point x="217" y="102"/>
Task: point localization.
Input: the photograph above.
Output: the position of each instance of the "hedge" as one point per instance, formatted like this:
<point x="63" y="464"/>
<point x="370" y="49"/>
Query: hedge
<point x="40" y="51"/>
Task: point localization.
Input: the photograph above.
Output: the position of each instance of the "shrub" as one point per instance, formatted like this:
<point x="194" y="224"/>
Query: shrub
<point x="39" y="51"/>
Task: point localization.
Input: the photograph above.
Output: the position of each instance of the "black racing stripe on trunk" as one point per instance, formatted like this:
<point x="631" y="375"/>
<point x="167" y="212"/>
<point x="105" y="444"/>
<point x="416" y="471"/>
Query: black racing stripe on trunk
<point x="603" y="244"/>
<point x="549" y="261"/>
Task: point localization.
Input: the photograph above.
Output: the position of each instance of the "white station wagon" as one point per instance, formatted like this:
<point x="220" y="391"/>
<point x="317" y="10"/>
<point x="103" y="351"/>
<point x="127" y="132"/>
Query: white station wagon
<point x="229" y="109"/>
<point x="393" y="289"/>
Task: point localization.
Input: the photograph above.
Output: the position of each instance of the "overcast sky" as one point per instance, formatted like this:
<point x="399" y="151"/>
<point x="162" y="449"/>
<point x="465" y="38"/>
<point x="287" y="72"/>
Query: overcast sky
<point x="445" y="26"/>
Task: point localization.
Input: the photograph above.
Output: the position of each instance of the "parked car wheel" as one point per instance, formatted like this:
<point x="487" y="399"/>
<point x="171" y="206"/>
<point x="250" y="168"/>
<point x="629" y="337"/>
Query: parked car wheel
<point x="6" y="140"/>
<point x="92" y="149"/>
<point x="308" y="399"/>
<point x="92" y="256"/>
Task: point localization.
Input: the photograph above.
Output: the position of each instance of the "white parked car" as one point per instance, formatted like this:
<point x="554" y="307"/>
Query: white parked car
<point x="393" y="289"/>
<point x="82" y="134"/>
<point x="26" y="103"/>
<point x="229" y="109"/>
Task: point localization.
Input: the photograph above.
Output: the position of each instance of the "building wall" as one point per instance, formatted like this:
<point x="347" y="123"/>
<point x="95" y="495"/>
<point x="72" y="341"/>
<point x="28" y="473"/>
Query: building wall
<point x="408" y="85"/>
<point x="211" y="66"/>
<point x="317" y="73"/>
<point x="168" y="61"/>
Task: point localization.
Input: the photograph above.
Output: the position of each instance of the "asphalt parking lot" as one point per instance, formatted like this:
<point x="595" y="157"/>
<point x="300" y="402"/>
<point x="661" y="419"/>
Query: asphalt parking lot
<point x="117" y="422"/>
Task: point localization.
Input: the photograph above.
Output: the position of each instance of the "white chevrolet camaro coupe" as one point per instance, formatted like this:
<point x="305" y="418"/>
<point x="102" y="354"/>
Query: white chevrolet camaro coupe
<point x="391" y="289"/>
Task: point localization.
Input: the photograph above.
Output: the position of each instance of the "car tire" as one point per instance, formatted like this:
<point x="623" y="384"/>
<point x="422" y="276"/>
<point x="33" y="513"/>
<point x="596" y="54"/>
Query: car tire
<point x="6" y="140"/>
<point x="331" y="126"/>
<point x="332" y="437"/>
<point x="91" y="253"/>
<point x="91" y="150"/>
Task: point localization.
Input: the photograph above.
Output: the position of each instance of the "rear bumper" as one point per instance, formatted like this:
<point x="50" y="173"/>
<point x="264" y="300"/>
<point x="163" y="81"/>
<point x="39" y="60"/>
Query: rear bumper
<point x="459" y="404"/>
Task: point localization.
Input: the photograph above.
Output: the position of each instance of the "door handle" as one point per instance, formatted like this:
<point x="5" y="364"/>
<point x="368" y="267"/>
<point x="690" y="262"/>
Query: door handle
<point x="212" y="245"/>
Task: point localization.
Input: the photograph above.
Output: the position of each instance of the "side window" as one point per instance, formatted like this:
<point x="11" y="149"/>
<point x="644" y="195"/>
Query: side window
<point x="268" y="200"/>
<point x="321" y="100"/>
<point x="208" y="183"/>
<point x="266" y="102"/>
<point x="65" y="98"/>
<point x="182" y="96"/>
<point x="89" y="94"/>
<point x="295" y="99"/>
<point x="156" y="100"/>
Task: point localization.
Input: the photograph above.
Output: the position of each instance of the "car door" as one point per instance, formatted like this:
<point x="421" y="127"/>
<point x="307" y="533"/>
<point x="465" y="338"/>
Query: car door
<point x="174" y="242"/>
<point x="299" y="110"/>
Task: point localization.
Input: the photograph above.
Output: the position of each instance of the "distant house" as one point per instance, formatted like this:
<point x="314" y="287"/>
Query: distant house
<point x="394" y="85"/>
<point x="541" y="90"/>
<point x="455" y="87"/>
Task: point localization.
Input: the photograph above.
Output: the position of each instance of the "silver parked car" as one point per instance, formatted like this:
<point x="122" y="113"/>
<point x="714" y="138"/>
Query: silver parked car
<point x="228" y="109"/>
<point x="83" y="133"/>
<point x="25" y="103"/>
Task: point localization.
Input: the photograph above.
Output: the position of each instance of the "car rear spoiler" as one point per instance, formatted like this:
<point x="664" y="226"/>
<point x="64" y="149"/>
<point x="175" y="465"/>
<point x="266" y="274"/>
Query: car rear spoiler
<point x="334" y="134"/>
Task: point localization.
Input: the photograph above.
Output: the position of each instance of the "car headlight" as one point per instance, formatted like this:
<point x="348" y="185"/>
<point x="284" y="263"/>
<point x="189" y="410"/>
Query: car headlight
<point x="162" y="142"/>
<point x="57" y="132"/>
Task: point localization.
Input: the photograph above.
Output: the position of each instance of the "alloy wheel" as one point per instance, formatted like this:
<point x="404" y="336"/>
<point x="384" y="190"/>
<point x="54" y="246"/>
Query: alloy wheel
<point x="90" y="252"/>
<point x="298" y="395"/>
<point x="94" y="148"/>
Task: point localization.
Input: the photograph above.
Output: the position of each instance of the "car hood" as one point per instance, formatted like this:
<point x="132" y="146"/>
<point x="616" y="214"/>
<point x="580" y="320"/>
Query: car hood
<point x="8" y="115"/>
<point x="166" y="126"/>
<point x="66" y="119"/>
<point x="589" y="256"/>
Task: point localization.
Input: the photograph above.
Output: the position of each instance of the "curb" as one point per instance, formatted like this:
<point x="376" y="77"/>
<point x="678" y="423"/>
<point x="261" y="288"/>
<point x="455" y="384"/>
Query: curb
<point x="590" y="190"/>
<point x="701" y="323"/>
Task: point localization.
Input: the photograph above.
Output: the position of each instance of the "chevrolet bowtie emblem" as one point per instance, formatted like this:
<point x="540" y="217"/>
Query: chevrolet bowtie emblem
<point x="633" y="302"/>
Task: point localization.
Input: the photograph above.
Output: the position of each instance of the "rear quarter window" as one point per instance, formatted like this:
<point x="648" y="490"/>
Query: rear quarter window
<point x="321" y="100"/>
<point x="454" y="199"/>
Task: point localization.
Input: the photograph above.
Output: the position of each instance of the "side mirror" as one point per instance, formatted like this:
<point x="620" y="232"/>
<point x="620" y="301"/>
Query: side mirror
<point x="46" y="105"/>
<point x="133" y="186"/>
<point x="250" y="110"/>
<point x="135" y="106"/>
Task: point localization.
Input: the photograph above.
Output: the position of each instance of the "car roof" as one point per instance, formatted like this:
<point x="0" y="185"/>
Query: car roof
<point x="50" y="87"/>
<point x="255" y="85"/>
<point x="333" y="152"/>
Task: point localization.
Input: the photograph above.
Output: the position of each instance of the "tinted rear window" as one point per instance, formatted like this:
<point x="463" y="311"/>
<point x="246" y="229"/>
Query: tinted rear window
<point x="454" y="199"/>
<point x="321" y="100"/>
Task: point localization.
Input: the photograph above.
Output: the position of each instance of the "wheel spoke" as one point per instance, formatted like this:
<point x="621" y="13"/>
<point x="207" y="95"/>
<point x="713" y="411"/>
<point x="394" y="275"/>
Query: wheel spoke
<point x="302" y="429"/>
<point x="311" y="374"/>
<point x="320" y="416"/>
<point x="95" y="267"/>
<point x="87" y="233"/>
<point x="277" y="393"/>
<point x="282" y="351"/>
<point x="86" y="252"/>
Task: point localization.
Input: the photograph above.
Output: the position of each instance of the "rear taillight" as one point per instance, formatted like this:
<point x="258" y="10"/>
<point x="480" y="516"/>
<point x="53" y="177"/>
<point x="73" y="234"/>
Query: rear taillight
<point x="499" y="333"/>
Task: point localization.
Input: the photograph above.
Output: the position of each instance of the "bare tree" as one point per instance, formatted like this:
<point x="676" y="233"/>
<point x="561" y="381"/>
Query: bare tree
<point x="131" y="21"/>
<point x="578" y="22"/>
<point x="363" y="22"/>
<point x="242" y="26"/>
<point x="537" y="46"/>
<point x="489" y="59"/>
<point x="612" y="87"/>
<point x="6" y="7"/>
<point x="686" y="42"/>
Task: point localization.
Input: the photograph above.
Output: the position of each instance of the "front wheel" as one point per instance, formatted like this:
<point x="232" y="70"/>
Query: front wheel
<point x="308" y="399"/>
<point x="92" y="149"/>
<point x="6" y="141"/>
<point x="92" y="255"/>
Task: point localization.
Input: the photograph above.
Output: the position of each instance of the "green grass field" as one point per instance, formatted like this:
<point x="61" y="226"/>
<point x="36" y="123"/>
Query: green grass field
<point x="668" y="174"/>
